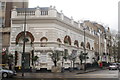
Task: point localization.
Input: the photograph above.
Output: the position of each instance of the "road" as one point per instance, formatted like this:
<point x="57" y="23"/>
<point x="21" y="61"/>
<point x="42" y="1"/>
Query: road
<point x="100" y="74"/>
<point x="96" y="75"/>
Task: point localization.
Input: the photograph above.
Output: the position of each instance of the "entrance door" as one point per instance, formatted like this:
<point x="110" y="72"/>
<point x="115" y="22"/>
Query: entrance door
<point x="27" y="61"/>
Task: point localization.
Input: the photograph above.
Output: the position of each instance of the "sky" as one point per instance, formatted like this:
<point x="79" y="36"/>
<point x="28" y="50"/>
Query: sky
<point x="104" y="12"/>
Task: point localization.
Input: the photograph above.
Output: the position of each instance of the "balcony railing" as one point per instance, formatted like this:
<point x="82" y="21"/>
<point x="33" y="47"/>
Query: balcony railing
<point x="28" y="13"/>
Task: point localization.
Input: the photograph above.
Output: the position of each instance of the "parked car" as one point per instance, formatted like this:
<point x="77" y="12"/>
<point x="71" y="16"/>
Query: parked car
<point x="7" y="73"/>
<point x="113" y="66"/>
<point x="119" y="66"/>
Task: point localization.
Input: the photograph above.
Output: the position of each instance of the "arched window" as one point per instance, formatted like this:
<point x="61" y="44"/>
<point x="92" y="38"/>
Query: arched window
<point x="28" y="37"/>
<point x="88" y="45"/>
<point x="67" y="40"/>
<point x="82" y="44"/>
<point x="43" y="41"/>
<point x="76" y="43"/>
<point x="92" y="48"/>
<point x="58" y="40"/>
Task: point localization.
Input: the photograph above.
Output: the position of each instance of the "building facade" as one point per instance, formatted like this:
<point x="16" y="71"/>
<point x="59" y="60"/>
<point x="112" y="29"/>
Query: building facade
<point x="5" y="22"/>
<point x="103" y="44"/>
<point x="47" y="31"/>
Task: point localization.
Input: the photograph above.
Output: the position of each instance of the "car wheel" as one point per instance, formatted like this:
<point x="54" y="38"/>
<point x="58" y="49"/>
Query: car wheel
<point x="4" y="75"/>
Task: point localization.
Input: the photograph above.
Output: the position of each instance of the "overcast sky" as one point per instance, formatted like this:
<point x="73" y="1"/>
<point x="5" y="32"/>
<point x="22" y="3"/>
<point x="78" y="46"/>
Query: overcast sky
<point x="101" y="11"/>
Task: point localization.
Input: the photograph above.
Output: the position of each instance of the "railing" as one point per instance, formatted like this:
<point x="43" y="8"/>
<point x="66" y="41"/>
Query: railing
<point x="66" y="19"/>
<point x="28" y="13"/>
<point x="31" y="13"/>
<point x="58" y="15"/>
<point x="76" y="24"/>
<point x="44" y="12"/>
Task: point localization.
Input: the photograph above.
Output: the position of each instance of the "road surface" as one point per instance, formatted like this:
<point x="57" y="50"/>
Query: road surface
<point x="96" y="75"/>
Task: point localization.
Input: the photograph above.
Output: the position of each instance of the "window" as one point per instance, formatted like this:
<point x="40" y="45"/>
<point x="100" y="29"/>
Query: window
<point x="88" y="45"/>
<point x="43" y="41"/>
<point x="67" y="40"/>
<point x="0" y="22"/>
<point x="76" y="43"/>
<point x="82" y="44"/>
<point x="0" y="5"/>
<point x="3" y="5"/>
<point x="58" y="40"/>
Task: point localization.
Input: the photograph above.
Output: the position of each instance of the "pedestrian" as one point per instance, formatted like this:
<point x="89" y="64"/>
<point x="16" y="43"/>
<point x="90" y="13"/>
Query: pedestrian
<point x="10" y="66"/>
<point x="101" y="65"/>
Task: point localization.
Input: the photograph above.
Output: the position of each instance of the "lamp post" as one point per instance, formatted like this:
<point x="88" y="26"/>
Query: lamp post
<point x="24" y="37"/>
<point x="84" y="48"/>
<point x="115" y="47"/>
<point x="62" y="63"/>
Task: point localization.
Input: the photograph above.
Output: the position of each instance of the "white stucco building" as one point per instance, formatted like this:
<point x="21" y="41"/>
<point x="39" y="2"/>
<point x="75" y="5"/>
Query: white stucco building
<point x="48" y="30"/>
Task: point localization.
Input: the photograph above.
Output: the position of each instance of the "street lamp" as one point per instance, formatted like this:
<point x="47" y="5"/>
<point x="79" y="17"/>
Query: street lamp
<point x="24" y="37"/>
<point x="62" y="62"/>
<point x="115" y="47"/>
<point x="84" y="28"/>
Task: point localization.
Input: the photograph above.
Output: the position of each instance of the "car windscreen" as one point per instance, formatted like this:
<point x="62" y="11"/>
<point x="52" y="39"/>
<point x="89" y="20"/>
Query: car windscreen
<point x="5" y="68"/>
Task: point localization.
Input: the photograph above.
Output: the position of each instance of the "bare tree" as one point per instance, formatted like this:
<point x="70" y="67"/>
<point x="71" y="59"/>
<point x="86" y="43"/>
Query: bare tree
<point x="72" y="58"/>
<point x="55" y="56"/>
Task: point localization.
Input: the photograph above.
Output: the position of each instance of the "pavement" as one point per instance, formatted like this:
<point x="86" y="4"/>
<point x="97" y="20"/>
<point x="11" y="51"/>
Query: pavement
<point x="66" y="74"/>
<point x="91" y="70"/>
